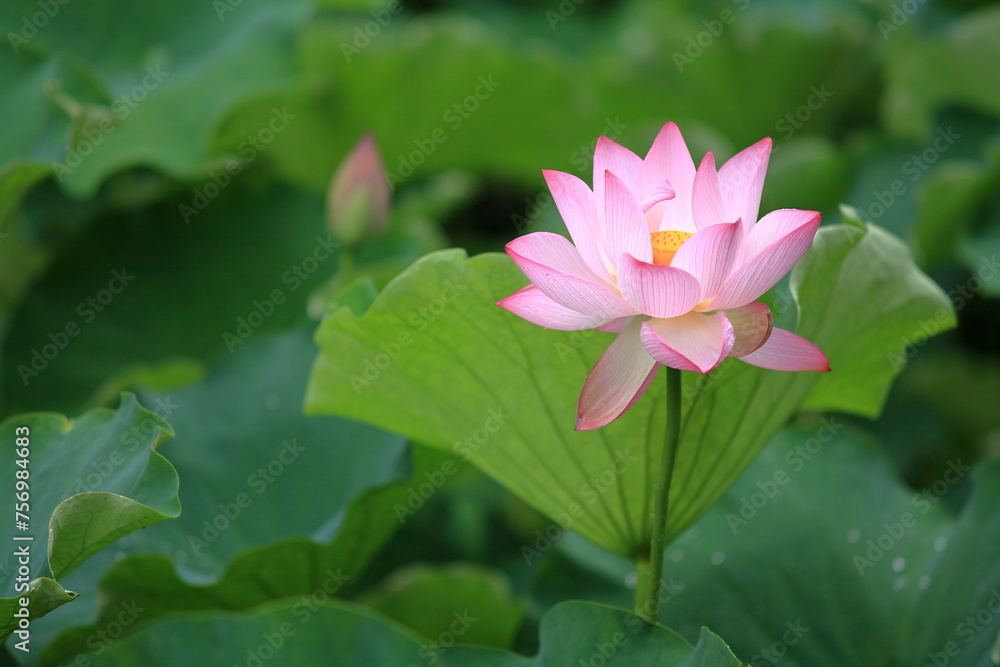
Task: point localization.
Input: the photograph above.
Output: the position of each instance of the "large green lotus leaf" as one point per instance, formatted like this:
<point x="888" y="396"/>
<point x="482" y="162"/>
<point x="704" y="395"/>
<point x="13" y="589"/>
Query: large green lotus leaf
<point x="162" y="85"/>
<point x="273" y="501"/>
<point x="90" y="482"/>
<point x="434" y="359"/>
<point x="953" y="66"/>
<point x="348" y="635"/>
<point x="242" y="439"/>
<point x="862" y="299"/>
<point x="193" y="290"/>
<point x="889" y="309"/>
<point x="427" y="600"/>
<point x="847" y="565"/>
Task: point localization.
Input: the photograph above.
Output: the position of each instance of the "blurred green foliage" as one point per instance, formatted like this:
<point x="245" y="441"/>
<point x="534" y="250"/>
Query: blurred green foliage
<point x="163" y="169"/>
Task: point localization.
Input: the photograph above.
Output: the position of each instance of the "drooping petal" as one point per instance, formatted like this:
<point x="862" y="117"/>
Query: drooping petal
<point x="531" y="304"/>
<point x="625" y="228"/>
<point x="620" y="161"/>
<point x="761" y="271"/>
<point x="669" y="159"/>
<point x="776" y="225"/>
<point x="660" y="194"/>
<point x="575" y="202"/>
<point x="742" y="179"/>
<point x="618" y="379"/>
<point x="785" y="351"/>
<point x="691" y="342"/>
<point x="752" y="326"/>
<point x="659" y="291"/>
<point x="710" y="256"/>
<point x="706" y="198"/>
<point x="554" y="266"/>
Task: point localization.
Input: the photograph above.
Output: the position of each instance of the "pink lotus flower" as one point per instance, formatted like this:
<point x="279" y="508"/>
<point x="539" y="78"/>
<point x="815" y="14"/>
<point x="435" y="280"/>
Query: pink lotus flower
<point x="670" y="257"/>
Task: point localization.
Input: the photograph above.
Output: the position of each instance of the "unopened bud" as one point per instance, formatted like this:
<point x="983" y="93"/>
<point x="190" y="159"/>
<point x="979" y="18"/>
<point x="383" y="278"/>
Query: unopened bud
<point x="357" y="203"/>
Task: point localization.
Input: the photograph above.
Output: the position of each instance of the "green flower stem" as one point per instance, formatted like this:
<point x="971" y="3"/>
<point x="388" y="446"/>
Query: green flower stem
<point x="649" y="577"/>
<point x="345" y="267"/>
<point x="641" y="582"/>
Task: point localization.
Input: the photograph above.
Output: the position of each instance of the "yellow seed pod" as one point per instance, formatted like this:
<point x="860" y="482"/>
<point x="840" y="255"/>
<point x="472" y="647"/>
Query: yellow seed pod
<point x="666" y="244"/>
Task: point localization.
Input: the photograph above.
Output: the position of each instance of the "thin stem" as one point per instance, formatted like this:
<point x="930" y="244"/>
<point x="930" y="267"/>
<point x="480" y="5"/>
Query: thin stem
<point x="648" y="587"/>
<point x="641" y="582"/>
<point x="345" y="267"/>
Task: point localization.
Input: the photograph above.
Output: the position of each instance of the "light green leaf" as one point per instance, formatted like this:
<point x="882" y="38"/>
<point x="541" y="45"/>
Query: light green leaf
<point x="434" y="359"/>
<point x="883" y="308"/>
